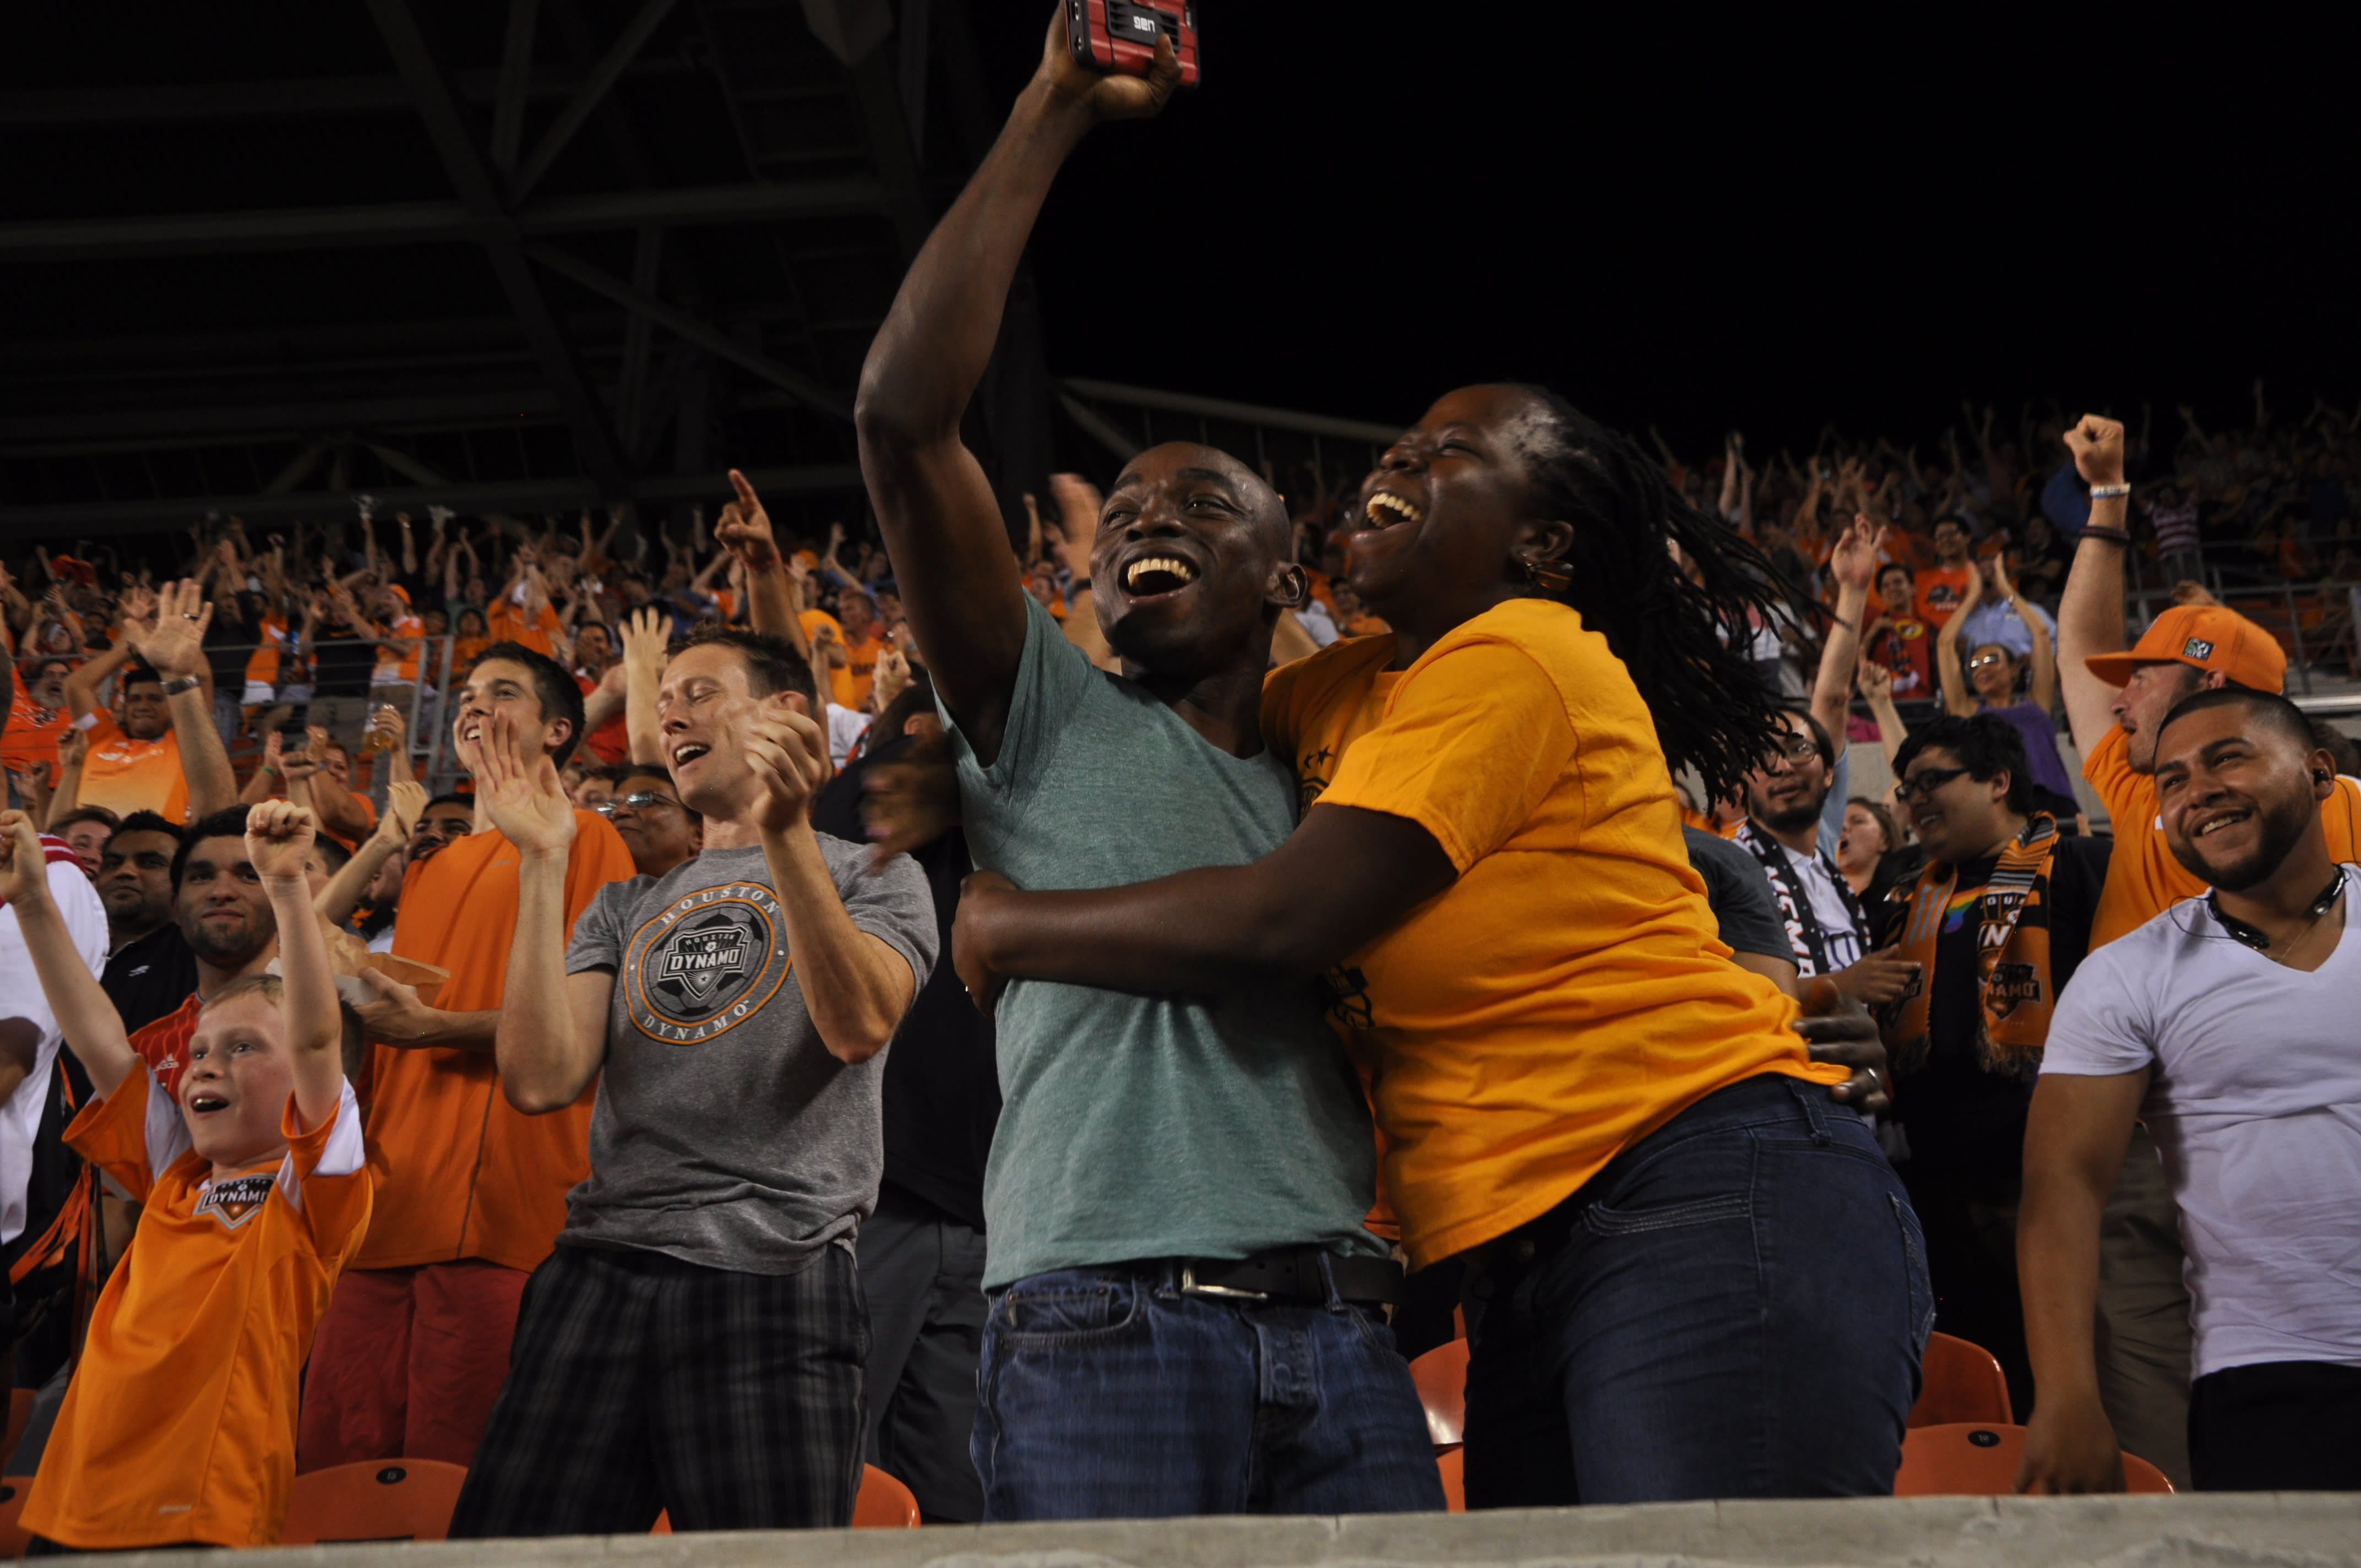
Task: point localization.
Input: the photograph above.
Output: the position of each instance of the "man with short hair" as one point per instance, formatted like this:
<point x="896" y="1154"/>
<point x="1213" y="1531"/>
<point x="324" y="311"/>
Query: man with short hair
<point x="37" y="714"/>
<point x="164" y="754"/>
<point x="85" y="830"/>
<point x="655" y="826"/>
<point x="1996" y="922"/>
<point x="447" y="820"/>
<point x="1943" y="587"/>
<point x="2226" y="1023"/>
<point x="1899" y="640"/>
<point x="1167" y="1172"/>
<point x="471" y="1192"/>
<point x="694" y="1344"/>
<point x="151" y="968"/>
<point x="2116" y="704"/>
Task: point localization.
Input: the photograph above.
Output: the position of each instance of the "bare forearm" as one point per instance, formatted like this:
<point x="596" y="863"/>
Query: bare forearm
<point x="343" y="894"/>
<point x="855" y="987"/>
<point x="213" y="783"/>
<point x="83" y="686"/>
<point x="536" y="1036"/>
<point x="310" y="1005"/>
<point x="1837" y="659"/>
<point x="2057" y="1264"/>
<point x="770" y="607"/>
<point x="340" y="810"/>
<point x="93" y="1028"/>
<point x="1200" y="932"/>
<point x="67" y="796"/>
<point x="453" y="1031"/>
<point x="640" y="726"/>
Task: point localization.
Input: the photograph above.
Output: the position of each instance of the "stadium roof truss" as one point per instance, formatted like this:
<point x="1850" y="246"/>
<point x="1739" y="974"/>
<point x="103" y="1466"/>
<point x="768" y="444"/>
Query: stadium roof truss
<point x="500" y="254"/>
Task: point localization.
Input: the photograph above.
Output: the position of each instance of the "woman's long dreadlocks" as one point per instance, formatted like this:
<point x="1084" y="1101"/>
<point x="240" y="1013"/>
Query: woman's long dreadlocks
<point x="1684" y="639"/>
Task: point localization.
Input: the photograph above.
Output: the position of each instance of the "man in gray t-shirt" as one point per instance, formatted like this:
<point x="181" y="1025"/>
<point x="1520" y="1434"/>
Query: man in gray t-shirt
<point x="694" y="1343"/>
<point x="1182" y="1291"/>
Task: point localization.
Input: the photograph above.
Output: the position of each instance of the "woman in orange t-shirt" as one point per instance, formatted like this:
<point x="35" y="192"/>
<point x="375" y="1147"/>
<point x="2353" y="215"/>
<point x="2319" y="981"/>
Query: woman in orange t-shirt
<point x="1698" y="1277"/>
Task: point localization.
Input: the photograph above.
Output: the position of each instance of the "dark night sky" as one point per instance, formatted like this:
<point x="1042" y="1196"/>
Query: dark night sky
<point x="1682" y="219"/>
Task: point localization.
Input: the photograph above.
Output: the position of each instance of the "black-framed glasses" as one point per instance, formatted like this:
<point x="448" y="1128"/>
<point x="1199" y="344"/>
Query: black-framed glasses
<point x="1920" y="785"/>
<point x="1795" y="747"/>
<point x="638" y="800"/>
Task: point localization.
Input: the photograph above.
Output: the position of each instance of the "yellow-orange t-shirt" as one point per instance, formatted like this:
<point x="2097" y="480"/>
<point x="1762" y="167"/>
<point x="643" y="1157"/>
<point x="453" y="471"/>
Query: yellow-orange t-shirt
<point x="506" y="622"/>
<point x="860" y="672"/>
<point x="32" y="732"/>
<point x="2143" y="879"/>
<point x="180" y="1424"/>
<point x="1570" y="993"/>
<point x="126" y="776"/>
<point x="464" y="1173"/>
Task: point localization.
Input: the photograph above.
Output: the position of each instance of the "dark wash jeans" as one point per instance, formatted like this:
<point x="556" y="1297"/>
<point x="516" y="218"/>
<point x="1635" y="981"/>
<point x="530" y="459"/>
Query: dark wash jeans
<point x="1105" y="1393"/>
<point x="1735" y="1306"/>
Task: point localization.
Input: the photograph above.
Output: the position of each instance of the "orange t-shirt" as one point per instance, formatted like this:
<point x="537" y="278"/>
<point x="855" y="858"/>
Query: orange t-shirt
<point x="1940" y="590"/>
<point x="2143" y="879"/>
<point x="612" y="741"/>
<point x="262" y="665"/>
<point x="397" y="668"/>
<point x="506" y="622"/>
<point x="179" y="1422"/>
<point x="464" y="1174"/>
<point x="860" y="672"/>
<point x="126" y="776"/>
<point x="1570" y="993"/>
<point x="813" y="620"/>
<point x="163" y="1044"/>
<point x="32" y="733"/>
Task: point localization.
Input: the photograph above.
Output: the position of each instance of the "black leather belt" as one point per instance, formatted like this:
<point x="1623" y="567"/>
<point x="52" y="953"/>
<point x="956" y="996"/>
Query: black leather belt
<point x="1293" y="1275"/>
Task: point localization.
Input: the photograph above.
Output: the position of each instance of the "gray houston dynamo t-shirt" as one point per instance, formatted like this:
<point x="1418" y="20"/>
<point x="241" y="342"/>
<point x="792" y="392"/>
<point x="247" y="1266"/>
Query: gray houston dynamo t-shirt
<point x="724" y="1133"/>
<point x="1142" y="1126"/>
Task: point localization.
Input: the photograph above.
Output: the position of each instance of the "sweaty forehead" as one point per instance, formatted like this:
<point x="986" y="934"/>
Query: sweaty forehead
<point x="1182" y="463"/>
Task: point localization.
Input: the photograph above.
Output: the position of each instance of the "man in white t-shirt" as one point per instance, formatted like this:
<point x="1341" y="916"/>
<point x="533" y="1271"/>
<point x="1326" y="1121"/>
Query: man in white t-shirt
<point x="2227" y="1024"/>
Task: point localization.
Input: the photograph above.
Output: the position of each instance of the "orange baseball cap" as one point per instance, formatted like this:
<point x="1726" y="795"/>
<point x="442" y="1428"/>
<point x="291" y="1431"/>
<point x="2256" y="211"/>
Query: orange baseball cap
<point x="2206" y="637"/>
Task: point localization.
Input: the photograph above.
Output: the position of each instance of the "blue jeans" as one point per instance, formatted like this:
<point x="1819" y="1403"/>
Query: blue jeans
<point x="1734" y="1307"/>
<point x="1105" y="1393"/>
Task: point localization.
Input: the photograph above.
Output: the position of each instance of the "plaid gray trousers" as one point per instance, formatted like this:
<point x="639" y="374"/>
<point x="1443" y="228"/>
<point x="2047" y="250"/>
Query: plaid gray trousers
<point x="639" y="1383"/>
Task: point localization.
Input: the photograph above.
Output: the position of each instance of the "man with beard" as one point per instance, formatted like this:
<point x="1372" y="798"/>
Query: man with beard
<point x="164" y="754"/>
<point x="447" y="820"/>
<point x="1796" y="803"/>
<point x="37" y="714"/>
<point x="2226" y="1024"/>
<point x="151" y="968"/>
<point x="2115" y="703"/>
<point x="224" y="917"/>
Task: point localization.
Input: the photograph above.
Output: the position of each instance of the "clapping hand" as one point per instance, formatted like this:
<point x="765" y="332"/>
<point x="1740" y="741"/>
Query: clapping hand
<point x="24" y="864"/>
<point x="174" y="645"/>
<point x="523" y="794"/>
<point x="405" y="803"/>
<point x="789" y="753"/>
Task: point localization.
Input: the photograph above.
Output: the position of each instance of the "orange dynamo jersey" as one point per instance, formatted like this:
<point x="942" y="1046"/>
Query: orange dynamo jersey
<point x="2143" y="879"/>
<point x="465" y="1174"/>
<point x="179" y="1422"/>
<point x="126" y="776"/>
<point x="1568" y="995"/>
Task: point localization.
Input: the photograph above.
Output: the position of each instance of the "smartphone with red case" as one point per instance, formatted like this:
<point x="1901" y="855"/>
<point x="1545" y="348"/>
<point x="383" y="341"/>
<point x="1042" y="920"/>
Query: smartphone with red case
<point x="1120" y="35"/>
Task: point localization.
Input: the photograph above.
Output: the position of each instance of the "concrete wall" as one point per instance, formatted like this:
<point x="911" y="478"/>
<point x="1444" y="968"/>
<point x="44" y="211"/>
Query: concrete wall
<point x="2284" y="1531"/>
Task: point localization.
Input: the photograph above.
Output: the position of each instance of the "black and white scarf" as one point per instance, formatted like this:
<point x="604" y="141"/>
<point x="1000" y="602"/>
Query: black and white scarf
<point x="1794" y="901"/>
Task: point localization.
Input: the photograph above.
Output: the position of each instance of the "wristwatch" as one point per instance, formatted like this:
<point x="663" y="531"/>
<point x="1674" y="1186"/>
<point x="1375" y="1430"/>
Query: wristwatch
<point x="174" y="687"/>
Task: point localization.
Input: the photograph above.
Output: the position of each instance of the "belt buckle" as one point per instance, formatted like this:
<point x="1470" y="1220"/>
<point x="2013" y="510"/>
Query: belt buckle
<point x="1189" y="1287"/>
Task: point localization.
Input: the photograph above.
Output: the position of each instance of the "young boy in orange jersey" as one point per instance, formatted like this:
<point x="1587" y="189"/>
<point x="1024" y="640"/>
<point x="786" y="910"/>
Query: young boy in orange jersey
<point x="179" y="1424"/>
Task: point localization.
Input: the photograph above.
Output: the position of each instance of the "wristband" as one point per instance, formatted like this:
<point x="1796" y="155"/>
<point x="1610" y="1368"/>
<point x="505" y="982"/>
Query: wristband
<point x="1077" y="584"/>
<point x="2112" y="535"/>
<point x="181" y="684"/>
<point x="2108" y="492"/>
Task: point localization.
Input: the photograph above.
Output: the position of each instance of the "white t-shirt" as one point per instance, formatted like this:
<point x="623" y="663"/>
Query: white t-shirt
<point x="2255" y="1107"/>
<point x="846" y="725"/>
<point x="21" y="997"/>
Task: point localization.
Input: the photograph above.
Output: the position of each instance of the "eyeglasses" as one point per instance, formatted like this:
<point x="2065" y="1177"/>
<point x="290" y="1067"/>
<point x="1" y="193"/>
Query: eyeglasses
<point x="1794" y="748"/>
<point x="1985" y="660"/>
<point x="1920" y="785"/>
<point x="638" y="800"/>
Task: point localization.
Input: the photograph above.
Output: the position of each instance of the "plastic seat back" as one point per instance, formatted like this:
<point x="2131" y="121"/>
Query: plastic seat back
<point x="1960" y="1382"/>
<point x="883" y="1503"/>
<point x="1977" y="1459"/>
<point x="374" y="1499"/>
<point x="14" y="1538"/>
<point x="1453" y="1465"/>
<point x="1442" y="1379"/>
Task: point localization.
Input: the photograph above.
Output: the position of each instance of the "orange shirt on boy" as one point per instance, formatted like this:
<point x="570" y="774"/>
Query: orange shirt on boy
<point x="1570" y="993"/>
<point x="464" y="1174"/>
<point x="179" y="1422"/>
<point x="126" y="776"/>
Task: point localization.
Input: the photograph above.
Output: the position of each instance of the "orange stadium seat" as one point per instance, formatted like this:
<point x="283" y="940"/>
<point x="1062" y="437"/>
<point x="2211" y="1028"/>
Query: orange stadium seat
<point x="1452" y="1463"/>
<point x="14" y="1538"/>
<point x="1961" y="1382"/>
<point x="373" y="1499"/>
<point x="1979" y="1459"/>
<point x="1442" y="1377"/>
<point x="883" y="1503"/>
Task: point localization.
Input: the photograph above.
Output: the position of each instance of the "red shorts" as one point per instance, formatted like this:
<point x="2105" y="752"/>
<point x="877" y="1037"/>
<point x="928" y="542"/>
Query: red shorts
<point x="407" y="1362"/>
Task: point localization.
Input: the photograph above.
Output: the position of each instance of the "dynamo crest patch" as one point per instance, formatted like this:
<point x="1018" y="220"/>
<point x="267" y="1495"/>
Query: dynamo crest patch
<point x="706" y="963"/>
<point x="238" y="1199"/>
<point x="2197" y="647"/>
